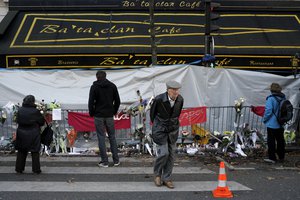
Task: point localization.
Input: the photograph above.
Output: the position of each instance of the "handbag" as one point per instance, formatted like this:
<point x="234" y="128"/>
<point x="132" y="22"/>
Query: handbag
<point x="47" y="135"/>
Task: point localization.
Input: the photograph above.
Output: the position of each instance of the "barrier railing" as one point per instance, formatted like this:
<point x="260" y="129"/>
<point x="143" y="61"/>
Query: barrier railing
<point x="219" y="119"/>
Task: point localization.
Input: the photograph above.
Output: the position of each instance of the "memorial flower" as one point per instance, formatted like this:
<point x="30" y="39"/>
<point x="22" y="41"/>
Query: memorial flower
<point x="238" y="104"/>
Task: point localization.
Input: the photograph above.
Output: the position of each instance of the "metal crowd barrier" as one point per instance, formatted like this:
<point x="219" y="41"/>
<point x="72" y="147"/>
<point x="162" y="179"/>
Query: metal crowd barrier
<point x="219" y="119"/>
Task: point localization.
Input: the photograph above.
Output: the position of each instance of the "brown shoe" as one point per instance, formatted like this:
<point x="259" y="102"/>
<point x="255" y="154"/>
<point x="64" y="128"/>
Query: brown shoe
<point x="157" y="181"/>
<point x="169" y="184"/>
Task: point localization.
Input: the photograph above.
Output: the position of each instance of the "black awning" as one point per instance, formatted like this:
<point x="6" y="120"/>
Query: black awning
<point x="122" y="36"/>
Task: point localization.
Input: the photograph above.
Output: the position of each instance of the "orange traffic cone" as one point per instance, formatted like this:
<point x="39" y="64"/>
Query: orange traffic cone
<point x="222" y="191"/>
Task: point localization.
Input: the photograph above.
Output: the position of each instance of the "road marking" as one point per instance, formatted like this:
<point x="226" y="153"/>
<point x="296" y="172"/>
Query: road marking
<point x="287" y="168"/>
<point x="34" y="186"/>
<point x="243" y="168"/>
<point x="109" y="170"/>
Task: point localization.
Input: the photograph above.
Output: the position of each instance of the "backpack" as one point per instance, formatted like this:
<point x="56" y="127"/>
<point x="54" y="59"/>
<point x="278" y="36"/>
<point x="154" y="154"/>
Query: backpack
<point x="285" y="113"/>
<point x="47" y="136"/>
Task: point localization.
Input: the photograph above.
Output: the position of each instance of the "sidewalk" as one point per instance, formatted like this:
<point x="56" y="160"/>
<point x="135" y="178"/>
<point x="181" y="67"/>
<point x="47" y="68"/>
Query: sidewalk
<point x="205" y="160"/>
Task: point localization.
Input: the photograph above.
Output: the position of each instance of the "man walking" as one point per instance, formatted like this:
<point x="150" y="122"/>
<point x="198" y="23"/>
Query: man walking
<point x="104" y="102"/>
<point x="164" y="115"/>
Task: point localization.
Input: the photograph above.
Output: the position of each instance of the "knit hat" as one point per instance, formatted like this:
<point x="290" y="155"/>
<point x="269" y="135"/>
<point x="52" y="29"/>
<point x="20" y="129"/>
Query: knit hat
<point x="173" y="85"/>
<point x="275" y="87"/>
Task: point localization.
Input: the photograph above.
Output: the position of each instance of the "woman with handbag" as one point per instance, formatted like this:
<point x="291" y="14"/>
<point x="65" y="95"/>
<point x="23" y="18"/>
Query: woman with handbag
<point x="28" y="137"/>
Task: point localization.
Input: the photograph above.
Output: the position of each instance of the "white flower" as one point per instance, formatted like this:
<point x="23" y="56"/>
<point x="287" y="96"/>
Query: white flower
<point x="185" y="133"/>
<point x="217" y="133"/>
<point x="238" y="104"/>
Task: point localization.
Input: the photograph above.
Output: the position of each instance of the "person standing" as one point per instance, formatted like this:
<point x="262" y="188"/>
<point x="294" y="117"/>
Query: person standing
<point x="28" y="136"/>
<point x="275" y="137"/>
<point x="103" y="104"/>
<point x="164" y="114"/>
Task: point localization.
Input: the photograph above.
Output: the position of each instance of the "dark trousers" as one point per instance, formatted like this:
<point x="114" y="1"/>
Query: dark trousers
<point x="104" y="125"/>
<point x="164" y="162"/>
<point x="276" y="143"/>
<point x="21" y="161"/>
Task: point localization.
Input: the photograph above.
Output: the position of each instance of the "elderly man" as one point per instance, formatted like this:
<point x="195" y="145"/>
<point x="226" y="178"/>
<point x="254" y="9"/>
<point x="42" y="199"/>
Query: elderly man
<point x="164" y="115"/>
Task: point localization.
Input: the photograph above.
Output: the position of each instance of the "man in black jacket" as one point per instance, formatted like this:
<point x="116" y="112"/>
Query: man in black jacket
<point x="164" y="115"/>
<point x="104" y="102"/>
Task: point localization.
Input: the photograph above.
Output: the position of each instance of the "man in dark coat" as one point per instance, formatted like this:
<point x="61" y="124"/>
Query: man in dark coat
<point x="164" y="115"/>
<point x="104" y="102"/>
<point x="28" y="138"/>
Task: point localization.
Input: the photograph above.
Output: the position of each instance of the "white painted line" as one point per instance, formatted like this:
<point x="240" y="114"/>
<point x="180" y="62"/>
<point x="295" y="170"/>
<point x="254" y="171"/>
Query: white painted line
<point x="32" y="186"/>
<point x="109" y="170"/>
<point x="95" y="159"/>
<point x="244" y="168"/>
<point x="287" y="168"/>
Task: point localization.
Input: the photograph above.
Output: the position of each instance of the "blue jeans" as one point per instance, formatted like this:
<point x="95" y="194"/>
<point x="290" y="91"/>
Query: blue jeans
<point x="104" y="125"/>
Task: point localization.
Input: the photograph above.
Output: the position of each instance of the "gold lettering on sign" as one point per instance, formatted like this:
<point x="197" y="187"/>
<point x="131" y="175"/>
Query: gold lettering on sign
<point x="223" y="62"/>
<point x="192" y="5"/>
<point x="63" y="62"/>
<point x="144" y="4"/>
<point x="171" y="30"/>
<point x="255" y="63"/>
<point x="162" y="4"/>
<point x="115" y="29"/>
<point x="82" y="30"/>
<point x="140" y="62"/>
<point x="170" y="61"/>
<point x="127" y="4"/>
<point x="112" y="61"/>
<point x="48" y="28"/>
<point x="52" y="28"/>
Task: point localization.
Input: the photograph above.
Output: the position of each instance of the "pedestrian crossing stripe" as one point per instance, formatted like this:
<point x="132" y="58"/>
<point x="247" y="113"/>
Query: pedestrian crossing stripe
<point x="109" y="170"/>
<point x="180" y="186"/>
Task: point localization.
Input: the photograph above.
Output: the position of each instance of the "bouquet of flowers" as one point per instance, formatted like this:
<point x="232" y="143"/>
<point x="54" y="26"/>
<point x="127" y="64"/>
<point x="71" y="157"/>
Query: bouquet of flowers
<point x="289" y="136"/>
<point x="184" y="134"/>
<point x="53" y="105"/>
<point x="3" y="116"/>
<point x="72" y="135"/>
<point x="238" y="104"/>
<point x="42" y="107"/>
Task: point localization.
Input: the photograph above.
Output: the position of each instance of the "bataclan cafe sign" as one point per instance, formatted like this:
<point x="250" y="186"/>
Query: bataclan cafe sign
<point x="121" y="39"/>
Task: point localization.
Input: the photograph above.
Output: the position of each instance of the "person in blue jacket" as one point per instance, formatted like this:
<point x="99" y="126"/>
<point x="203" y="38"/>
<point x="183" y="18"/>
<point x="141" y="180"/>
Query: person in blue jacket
<point x="275" y="139"/>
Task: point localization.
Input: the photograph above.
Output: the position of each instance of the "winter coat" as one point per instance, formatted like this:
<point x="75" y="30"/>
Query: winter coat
<point x="104" y="99"/>
<point x="165" y="119"/>
<point x="29" y="121"/>
<point x="272" y="110"/>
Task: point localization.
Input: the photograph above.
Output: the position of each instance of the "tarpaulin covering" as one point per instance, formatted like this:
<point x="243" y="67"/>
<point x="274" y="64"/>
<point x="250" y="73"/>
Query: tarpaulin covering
<point x="201" y="86"/>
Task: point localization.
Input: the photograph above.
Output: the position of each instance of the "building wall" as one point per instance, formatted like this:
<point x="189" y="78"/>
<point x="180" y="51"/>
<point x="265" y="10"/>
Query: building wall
<point x="3" y="8"/>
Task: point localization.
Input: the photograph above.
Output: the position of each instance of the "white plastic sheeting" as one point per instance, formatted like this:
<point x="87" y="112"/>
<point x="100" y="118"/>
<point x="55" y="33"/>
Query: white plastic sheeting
<point x="200" y="86"/>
